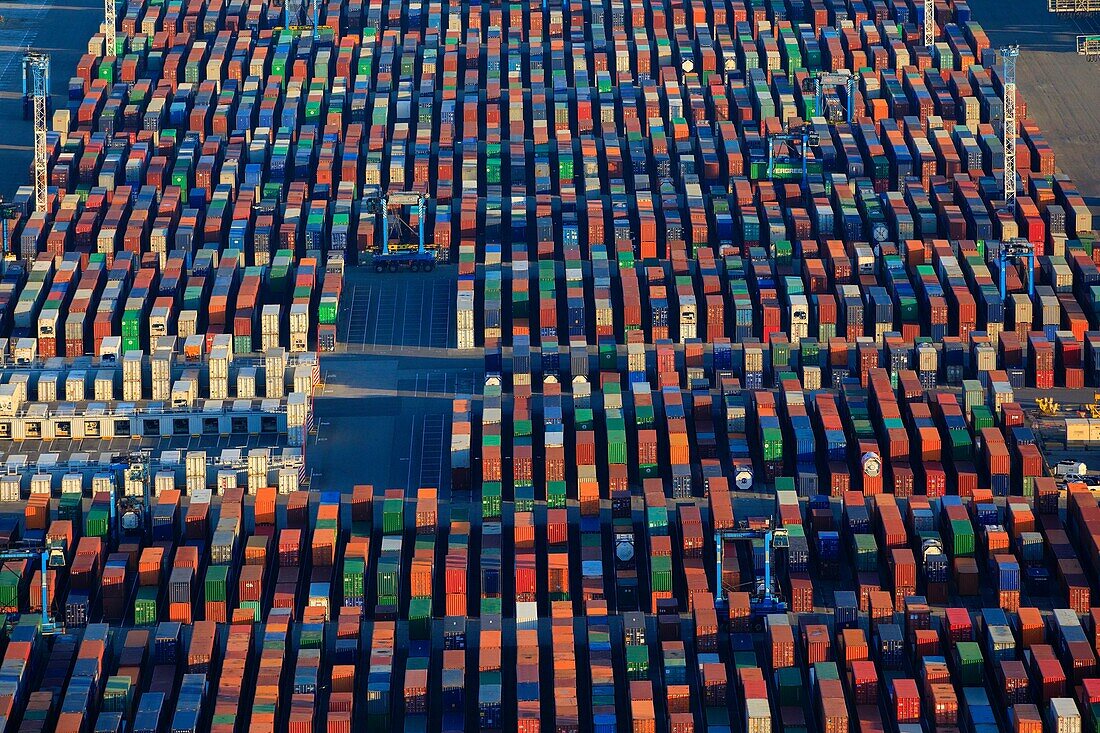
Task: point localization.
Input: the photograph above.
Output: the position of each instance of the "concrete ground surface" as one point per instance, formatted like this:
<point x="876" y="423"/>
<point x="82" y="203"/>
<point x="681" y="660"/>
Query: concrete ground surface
<point x="386" y="421"/>
<point x="1060" y="87"/>
<point x="383" y="414"/>
<point x="62" y="29"/>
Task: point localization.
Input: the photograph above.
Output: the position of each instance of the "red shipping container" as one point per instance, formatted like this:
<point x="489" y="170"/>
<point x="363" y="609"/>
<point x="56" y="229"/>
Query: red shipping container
<point x="905" y="699"/>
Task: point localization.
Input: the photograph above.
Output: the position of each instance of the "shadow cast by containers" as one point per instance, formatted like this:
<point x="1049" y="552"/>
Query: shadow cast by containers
<point x="63" y="31"/>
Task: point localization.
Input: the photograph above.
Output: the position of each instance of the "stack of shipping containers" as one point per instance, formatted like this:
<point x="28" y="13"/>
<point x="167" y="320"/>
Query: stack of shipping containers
<point x="642" y="262"/>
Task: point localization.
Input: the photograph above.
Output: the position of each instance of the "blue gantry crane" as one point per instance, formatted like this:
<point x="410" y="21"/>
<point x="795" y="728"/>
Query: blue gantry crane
<point x="49" y="557"/>
<point x="817" y="84"/>
<point x="765" y="598"/>
<point x="781" y="164"/>
<point x="302" y="15"/>
<point x="394" y="257"/>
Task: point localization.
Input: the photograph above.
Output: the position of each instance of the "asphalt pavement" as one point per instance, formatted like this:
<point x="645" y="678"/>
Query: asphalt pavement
<point x="58" y="27"/>
<point x="1059" y="87"/>
<point x="383" y="413"/>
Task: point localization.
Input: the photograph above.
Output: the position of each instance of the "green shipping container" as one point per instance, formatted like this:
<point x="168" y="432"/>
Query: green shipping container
<point x="865" y="550"/>
<point x="789" y="682"/>
<point x="782" y="251"/>
<point x="70" y="508"/>
<point x="9" y="590"/>
<point x="327" y="309"/>
<point x="313" y="637"/>
<point x="608" y="357"/>
<point x="660" y="574"/>
<point x="420" y="616"/>
<point x="981" y="417"/>
<point x="131" y="323"/>
<point x="217" y="577"/>
<point x="393" y="516"/>
<point x="1028" y="487"/>
<point x="657" y="519"/>
<point x="555" y="495"/>
<point x="961" y="444"/>
<point x="95" y="523"/>
<point x="969" y="662"/>
<point x="525" y="498"/>
<point x="118" y="694"/>
<point x="616" y="447"/>
<point x="388" y="578"/>
<point x="490" y="500"/>
<point x="745" y="660"/>
<point x="626" y="260"/>
<point x="354" y="568"/>
<point x="773" y="444"/>
<point x="565" y="168"/>
<point x="962" y="538"/>
<point x="145" y="606"/>
<point x="907" y="307"/>
<point x="637" y="662"/>
<point x="181" y="176"/>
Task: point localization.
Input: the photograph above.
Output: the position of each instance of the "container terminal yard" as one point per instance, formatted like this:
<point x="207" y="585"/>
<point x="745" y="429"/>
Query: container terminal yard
<point x="549" y="366"/>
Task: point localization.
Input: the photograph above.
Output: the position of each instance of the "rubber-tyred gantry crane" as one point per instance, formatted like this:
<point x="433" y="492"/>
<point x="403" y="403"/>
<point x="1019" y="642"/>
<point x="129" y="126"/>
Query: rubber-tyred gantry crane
<point x="392" y="258"/>
<point x="765" y="598"/>
<point x="298" y="14"/>
<point x="817" y="84"/>
<point x="48" y="557"/>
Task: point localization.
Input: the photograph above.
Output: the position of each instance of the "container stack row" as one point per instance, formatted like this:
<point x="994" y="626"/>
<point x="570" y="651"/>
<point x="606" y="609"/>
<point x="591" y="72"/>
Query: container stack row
<point x="230" y="130"/>
<point x="70" y="479"/>
<point x="261" y="611"/>
<point x="73" y="305"/>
